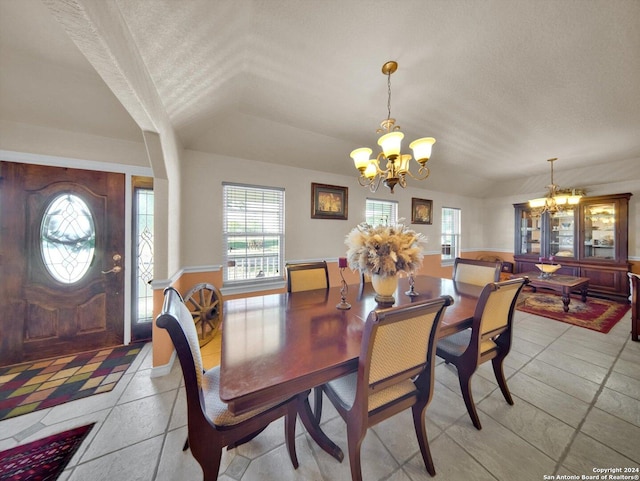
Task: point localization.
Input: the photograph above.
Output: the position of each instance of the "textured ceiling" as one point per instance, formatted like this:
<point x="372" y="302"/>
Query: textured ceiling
<point x="502" y="85"/>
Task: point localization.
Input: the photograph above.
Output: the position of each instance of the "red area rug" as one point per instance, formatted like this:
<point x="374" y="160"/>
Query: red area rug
<point x="596" y="314"/>
<point x="41" y="460"/>
<point x="27" y="387"/>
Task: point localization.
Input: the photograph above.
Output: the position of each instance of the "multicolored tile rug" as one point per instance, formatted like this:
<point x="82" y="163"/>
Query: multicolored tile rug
<point x="595" y="314"/>
<point x="41" y="460"/>
<point x="27" y="387"/>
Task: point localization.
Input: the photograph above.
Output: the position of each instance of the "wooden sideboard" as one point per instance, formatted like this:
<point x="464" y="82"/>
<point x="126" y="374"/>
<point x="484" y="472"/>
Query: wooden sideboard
<point x="588" y="240"/>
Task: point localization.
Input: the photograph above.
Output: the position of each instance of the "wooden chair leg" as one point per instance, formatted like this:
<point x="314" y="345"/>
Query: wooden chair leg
<point x="290" y="433"/>
<point x="355" y="442"/>
<point x="420" y="426"/>
<point x="317" y="404"/>
<point x="465" y="386"/>
<point x="210" y="464"/>
<point x="497" y="363"/>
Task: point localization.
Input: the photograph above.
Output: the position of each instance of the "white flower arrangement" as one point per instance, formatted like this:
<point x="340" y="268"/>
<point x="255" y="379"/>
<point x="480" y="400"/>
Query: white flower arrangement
<point x="384" y="250"/>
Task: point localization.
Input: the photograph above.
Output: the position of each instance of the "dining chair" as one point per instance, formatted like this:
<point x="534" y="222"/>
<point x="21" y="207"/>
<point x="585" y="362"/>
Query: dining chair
<point x="211" y="426"/>
<point x="395" y="372"/>
<point x="634" y="282"/>
<point x="488" y="338"/>
<point x="306" y="276"/>
<point x="472" y="271"/>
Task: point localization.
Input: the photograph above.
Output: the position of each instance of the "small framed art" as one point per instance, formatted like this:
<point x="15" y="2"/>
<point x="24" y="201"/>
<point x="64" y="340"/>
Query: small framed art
<point x="329" y="201"/>
<point x="421" y="211"/>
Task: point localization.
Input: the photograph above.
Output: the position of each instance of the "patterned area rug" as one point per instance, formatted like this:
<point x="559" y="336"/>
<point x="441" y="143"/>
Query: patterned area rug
<point x="41" y="460"/>
<point x="42" y="384"/>
<point x="596" y="314"/>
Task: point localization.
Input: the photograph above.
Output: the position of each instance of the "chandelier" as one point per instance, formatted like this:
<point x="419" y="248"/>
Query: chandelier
<point x="397" y="164"/>
<point x="556" y="200"/>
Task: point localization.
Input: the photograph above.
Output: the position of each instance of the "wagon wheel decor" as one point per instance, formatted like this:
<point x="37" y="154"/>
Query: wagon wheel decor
<point x="204" y="301"/>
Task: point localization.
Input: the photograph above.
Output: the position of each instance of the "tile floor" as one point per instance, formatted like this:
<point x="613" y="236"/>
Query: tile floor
<point x="577" y="408"/>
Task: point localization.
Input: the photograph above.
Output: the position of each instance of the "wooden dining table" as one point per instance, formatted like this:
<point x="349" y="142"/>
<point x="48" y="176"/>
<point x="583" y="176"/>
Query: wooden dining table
<point x="281" y="345"/>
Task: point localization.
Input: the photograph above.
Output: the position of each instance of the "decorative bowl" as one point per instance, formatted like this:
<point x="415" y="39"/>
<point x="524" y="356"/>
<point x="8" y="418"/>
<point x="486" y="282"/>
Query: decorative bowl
<point x="548" y="269"/>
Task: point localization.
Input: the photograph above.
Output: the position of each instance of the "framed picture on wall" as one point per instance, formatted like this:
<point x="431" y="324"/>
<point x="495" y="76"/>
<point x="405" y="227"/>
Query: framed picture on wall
<point x="329" y="201"/>
<point x="421" y="211"/>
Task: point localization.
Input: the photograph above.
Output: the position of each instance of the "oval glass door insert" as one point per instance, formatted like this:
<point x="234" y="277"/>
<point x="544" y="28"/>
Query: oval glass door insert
<point x="67" y="238"/>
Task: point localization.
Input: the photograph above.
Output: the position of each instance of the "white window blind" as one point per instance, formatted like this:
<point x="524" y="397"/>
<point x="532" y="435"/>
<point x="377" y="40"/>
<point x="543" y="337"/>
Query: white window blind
<point x="450" y="234"/>
<point x="253" y="231"/>
<point x="381" y="212"/>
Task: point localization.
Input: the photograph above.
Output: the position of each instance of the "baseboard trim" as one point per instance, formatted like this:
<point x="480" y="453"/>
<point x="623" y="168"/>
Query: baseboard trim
<point x="159" y="371"/>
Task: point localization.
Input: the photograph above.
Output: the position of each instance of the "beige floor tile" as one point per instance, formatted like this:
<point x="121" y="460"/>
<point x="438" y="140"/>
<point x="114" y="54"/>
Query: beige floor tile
<point x="502" y="452"/>
<point x="542" y="430"/>
<point x="551" y="400"/>
<point x="620" y="405"/>
<point x="276" y="464"/>
<point x="576" y="386"/>
<point x="619" y="435"/>
<point x="451" y="461"/>
<point x="586" y="453"/>
<point x="122" y="464"/>
<point x="131" y="423"/>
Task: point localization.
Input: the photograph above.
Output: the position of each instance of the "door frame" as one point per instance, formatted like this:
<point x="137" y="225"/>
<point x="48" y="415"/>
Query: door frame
<point x="128" y="171"/>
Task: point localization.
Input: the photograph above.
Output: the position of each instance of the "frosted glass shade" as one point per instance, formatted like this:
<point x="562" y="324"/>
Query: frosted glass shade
<point x="537" y="203"/>
<point x="391" y="143"/>
<point x="403" y="163"/>
<point x="371" y="171"/>
<point x="361" y="158"/>
<point x="422" y="148"/>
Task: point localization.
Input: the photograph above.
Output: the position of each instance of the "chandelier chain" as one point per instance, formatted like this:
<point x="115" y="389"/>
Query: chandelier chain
<point x="388" y="95"/>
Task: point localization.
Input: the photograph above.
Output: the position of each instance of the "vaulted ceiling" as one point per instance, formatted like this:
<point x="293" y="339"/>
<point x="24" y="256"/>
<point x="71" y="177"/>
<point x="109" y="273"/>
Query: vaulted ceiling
<point x="502" y="85"/>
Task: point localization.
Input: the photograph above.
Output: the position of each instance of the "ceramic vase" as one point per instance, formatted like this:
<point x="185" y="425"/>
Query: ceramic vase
<point x="385" y="287"/>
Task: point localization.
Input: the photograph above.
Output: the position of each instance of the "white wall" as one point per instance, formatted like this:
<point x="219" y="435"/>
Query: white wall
<point x="306" y="238"/>
<point x="35" y="139"/>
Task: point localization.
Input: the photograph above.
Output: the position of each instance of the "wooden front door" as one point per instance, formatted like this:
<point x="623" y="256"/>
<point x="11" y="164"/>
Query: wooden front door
<point x="61" y="258"/>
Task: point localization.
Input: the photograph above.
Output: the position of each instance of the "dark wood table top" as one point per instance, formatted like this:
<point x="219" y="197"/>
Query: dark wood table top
<point x="277" y="345"/>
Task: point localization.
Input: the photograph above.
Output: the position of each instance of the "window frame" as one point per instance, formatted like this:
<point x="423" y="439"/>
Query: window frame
<point x="235" y="188"/>
<point x="381" y="203"/>
<point x="454" y="235"/>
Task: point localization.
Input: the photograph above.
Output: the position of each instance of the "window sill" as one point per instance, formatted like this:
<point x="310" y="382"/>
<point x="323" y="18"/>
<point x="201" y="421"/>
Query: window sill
<point x="247" y="288"/>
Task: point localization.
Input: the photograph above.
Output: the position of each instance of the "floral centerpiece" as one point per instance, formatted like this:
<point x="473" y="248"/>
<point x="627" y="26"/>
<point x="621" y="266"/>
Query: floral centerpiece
<point x="384" y="251"/>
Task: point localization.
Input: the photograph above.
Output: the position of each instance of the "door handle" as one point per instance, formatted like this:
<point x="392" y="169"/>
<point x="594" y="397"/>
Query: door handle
<point x="116" y="268"/>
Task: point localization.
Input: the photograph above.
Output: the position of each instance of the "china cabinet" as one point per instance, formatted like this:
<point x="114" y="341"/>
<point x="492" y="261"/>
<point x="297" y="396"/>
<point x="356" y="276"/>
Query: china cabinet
<point x="588" y="240"/>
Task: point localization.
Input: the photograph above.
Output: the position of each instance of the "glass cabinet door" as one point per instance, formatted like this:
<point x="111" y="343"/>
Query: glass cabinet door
<point x="562" y="234"/>
<point x="530" y="230"/>
<point x="600" y="230"/>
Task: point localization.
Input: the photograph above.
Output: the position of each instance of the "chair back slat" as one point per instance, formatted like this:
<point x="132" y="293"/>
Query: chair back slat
<point x="177" y="319"/>
<point x="496" y="315"/>
<point x="400" y="341"/>
<point x="476" y="272"/>
<point x="400" y="347"/>
<point x="307" y="276"/>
